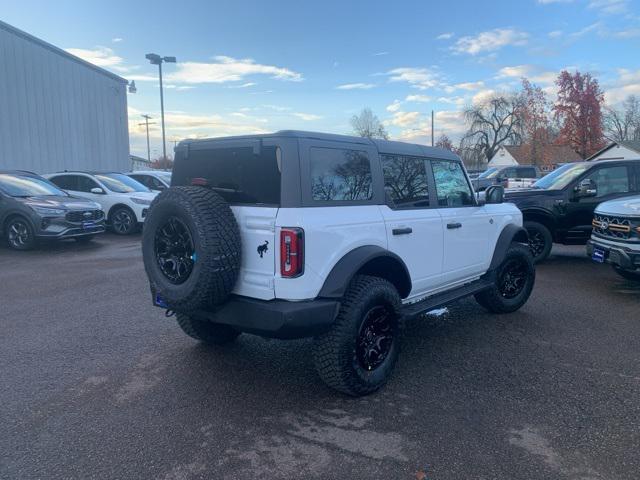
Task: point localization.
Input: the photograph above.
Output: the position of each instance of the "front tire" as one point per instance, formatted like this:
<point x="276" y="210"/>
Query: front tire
<point x="123" y="221"/>
<point x="627" y="274"/>
<point x="358" y="354"/>
<point x="207" y="332"/>
<point x="540" y="240"/>
<point x="514" y="280"/>
<point x="19" y="234"/>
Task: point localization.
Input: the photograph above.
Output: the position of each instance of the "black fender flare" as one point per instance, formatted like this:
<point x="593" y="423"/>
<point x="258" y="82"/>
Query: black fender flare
<point x="338" y="280"/>
<point x="511" y="233"/>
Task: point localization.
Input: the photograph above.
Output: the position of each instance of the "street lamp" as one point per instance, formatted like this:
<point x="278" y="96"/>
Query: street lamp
<point x="156" y="59"/>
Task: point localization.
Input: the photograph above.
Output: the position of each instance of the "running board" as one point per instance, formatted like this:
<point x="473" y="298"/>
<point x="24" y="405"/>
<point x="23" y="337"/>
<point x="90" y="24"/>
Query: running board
<point x="445" y="298"/>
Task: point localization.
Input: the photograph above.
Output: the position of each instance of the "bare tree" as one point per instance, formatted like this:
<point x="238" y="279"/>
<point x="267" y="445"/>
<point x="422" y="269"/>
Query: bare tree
<point x="366" y="124"/>
<point x="493" y="123"/>
<point x="445" y="142"/>
<point x="623" y="124"/>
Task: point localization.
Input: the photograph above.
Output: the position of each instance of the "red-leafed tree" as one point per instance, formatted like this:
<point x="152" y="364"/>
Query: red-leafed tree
<point x="579" y="112"/>
<point x="534" y="114"/>
<point x="162" y="163"/>
<point x="445" y="142"/>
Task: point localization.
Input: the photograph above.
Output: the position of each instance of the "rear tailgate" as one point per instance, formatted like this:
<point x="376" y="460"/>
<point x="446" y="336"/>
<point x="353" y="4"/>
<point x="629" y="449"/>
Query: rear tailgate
<point x="257" y="232"/>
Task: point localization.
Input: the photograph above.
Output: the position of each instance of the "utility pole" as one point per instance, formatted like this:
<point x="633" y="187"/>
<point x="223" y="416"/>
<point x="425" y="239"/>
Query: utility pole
<point x="146" y="123"/>
<point x="432" y="143"/>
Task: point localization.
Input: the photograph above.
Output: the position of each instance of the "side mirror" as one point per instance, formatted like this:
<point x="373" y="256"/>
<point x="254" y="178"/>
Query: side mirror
<point x="586" y="188"/>
<point x="494" y="194"/>
<point x="97" y="191"/>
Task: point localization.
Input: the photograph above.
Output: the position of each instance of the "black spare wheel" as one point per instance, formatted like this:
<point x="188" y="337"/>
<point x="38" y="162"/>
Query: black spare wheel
<point x="191" y="248"/>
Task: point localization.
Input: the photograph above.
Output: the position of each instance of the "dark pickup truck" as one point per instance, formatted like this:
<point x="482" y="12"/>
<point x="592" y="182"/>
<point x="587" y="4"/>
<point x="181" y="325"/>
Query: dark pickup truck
<point x="559" y="207"/>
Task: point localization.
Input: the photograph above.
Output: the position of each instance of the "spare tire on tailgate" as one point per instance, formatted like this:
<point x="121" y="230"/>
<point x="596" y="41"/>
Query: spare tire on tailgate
<point x="191" y="248"/>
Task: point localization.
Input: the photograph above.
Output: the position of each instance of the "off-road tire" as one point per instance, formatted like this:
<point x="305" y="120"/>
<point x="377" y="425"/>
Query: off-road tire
<point x="538" y="231"/>
<point x="205" y="331"/>
<point x="627" y="274"/>
<point x="334" y="352"/>
<point x="492" y="299"/>
<point x="216" y="241"/>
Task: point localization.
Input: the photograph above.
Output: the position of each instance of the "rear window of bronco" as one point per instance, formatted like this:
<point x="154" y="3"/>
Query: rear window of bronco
<point x="239" y="175"/>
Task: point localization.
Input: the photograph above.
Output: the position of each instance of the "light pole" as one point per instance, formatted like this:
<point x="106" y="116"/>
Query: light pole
<point x="146" y="123"/>
<point x="156" y="59"/>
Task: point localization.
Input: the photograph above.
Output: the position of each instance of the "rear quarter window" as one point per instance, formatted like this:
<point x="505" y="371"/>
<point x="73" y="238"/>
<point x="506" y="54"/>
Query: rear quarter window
<point x="340" y="175"/>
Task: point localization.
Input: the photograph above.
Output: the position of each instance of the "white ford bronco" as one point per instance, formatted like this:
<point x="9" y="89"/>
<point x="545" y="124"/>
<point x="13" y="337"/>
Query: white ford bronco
<point x="615" y="238"/>
<point x="298" y="234"/>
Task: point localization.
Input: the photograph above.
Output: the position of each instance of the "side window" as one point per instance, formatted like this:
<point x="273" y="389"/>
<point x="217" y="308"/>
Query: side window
<point x="340" y="175"/>
<point x="140" y="178"/>
<point x="451" y="184"/>
<point x="65" y="182"/>
<point x="527" y="172"/>
<point x="405" y="181"/>
<point x="610" y="180"/>
<point x="508" y="173"/>
<point x="85" y="184"/>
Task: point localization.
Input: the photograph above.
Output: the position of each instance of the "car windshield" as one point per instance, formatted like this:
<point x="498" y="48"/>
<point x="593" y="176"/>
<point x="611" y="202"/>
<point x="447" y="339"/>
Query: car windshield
<point x="563" y="176"/>
<point x="166" y="176"/>
<point x="120" y="183"/>
<point x="492" y="172"/>
<point x="28" y="186"/>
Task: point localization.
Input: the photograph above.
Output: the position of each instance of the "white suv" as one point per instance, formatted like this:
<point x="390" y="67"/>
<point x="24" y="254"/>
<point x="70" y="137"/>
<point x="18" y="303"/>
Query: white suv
<point x="155" y="180"/>
<point x="124" y="201"/>
<point x="298" y="234"/>
<point x="615" y="238"/>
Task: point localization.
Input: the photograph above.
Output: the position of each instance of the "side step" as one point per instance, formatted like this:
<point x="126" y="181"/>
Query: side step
<point x="445" y="298"/>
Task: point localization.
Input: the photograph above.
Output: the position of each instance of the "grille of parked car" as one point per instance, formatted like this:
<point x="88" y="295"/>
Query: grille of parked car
<point x="84" y="215"/>
<point x="615" y="227"/>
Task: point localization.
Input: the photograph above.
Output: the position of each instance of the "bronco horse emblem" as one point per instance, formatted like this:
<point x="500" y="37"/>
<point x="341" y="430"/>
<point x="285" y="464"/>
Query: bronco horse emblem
<point x="262" y="249"/>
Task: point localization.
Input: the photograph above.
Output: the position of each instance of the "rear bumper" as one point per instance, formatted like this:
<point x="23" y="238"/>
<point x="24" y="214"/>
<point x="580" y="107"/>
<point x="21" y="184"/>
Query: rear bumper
<point x="621" y="256"/>
<point x="273" y="318"/>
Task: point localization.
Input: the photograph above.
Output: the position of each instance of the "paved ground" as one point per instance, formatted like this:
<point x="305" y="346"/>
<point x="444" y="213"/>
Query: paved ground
<point x="97" y="383"/>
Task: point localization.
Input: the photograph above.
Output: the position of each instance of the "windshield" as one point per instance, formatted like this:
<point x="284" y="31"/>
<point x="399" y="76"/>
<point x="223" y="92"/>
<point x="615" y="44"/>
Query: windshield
<point x="563" y="176"/>
<point x="119" y="183"/>
<point x="166" y="176"/>
<point x="28" y="186"/>
<point x="489" y="173"/>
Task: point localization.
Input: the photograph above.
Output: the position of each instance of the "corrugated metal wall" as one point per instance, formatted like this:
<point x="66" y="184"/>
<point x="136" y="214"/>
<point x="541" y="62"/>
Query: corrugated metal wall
<point x="57" y="113"/>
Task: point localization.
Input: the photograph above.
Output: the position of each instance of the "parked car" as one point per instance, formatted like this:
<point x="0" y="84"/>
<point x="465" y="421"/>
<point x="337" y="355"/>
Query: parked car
<point x="508" y="176"/>
<point x="616" y="236"/>
<point x="299" y="234"/>
<point x="154" y="180"/>
<point x="559" y="207"/>
<point x="32" y="209"/>
<point x="124" y="200"/>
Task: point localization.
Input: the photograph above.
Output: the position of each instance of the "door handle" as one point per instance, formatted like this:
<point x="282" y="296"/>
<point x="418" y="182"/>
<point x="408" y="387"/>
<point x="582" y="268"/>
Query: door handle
<point x="451" y="226"/>
<point x="402" y="231"/>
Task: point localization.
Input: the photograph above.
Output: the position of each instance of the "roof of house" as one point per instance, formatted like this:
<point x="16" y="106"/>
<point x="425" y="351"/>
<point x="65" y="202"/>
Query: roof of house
<point x="52" y="48"/>
<point x="630" y="144"/>
<point x="551" y="154"/>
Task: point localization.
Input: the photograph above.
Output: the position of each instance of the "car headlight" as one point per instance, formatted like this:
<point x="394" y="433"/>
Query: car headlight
<point x="140" y="201"/>
<point x="47" y="211"/>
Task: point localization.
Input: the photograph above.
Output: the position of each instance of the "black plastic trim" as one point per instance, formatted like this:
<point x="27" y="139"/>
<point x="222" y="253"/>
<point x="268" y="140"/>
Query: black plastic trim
<point x="506" y="238"/>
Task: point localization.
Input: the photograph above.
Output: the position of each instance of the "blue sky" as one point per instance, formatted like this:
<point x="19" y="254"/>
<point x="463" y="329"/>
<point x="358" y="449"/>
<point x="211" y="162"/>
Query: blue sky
<point x="256" y="66"/>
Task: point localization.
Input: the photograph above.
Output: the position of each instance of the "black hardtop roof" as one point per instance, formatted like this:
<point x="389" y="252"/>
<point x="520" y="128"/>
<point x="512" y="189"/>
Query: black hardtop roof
<point x="383" y="146"/>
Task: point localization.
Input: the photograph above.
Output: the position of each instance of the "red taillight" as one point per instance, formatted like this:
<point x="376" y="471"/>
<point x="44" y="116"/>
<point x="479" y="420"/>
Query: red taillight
<point x="291" y="252"/>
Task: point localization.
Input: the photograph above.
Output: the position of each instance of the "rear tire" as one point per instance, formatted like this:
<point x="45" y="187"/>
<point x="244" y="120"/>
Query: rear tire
<point x="633" y="275"/>
<point x="514" y="280"/>
<point x="540" y="240"/>
<point x="358" y="354"/>
<point x="19" y="234"/>
<point x="205" y="331"/>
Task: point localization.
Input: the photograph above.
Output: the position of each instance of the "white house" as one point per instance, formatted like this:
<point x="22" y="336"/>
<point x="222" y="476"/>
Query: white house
<point x="550" y="156"/>
<point x="618" y="151"/>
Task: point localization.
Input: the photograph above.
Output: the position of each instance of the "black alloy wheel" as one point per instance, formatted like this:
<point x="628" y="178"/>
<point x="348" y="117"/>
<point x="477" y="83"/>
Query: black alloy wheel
<point x="512" y="278"/>
<point x="174" y="250"/>
<point x="374" y="338"/>
<point x="123" y="222"/>
<point x="19" y="235"/>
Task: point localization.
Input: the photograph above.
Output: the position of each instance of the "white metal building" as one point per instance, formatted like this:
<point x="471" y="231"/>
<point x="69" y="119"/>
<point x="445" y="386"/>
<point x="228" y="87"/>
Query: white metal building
<point x="57" y="111"/>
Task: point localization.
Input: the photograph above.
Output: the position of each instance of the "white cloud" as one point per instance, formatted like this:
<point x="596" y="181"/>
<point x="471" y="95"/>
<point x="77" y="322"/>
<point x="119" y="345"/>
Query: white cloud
<point x="470" y="85"/>
<point x="482" y="96"/>
<point x="100" y="56"/>
<point x="277" y="108"/>
<point x="179" y="87"/>
<point x="404" y="119"/>
<point x="490" y="41"/>
<point x="458" y="101"/>
<point x="555" y="33"/>
<point x="628" y="33"/>
<point x="395" y="106"/>
<point x="418" y="98"/>
<point x="307" y="117"/>
<point x="449" y="122"/>
<point x="515" y="71"/>
<point x="116" y="40"/>
<point x="419" y="78"/>
<point x="628" y="83"/>
<point x="243" y="85"/>
<point x="609" y="7"/>
<point x="379" y="54"/>
<point x="227" y="69"/>
<point x="355" y="86"/>
<point x="596" y="27"/>
<point x="531" y="72"/>
<point x="444" y="36"/>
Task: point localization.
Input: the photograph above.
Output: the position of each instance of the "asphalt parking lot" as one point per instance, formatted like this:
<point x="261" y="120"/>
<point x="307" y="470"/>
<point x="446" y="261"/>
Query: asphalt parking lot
<point x="97" y="383"/>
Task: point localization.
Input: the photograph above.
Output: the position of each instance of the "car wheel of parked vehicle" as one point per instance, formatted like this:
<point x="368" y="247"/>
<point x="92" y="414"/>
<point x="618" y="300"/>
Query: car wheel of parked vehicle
<point x="205" y="331"/>
<point x="514" y="280"/>
<point x="540" y="240"/>
<point x="123" y="221"/>
<point x="358" y="354"/>
<point x="628" y="274"/>
<point x="191" y="248"/>
<point x="84" y="239"/>
<point x="19" y="234"/>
